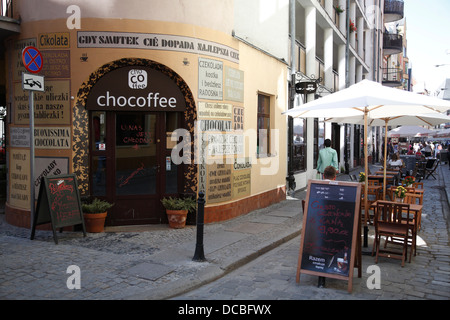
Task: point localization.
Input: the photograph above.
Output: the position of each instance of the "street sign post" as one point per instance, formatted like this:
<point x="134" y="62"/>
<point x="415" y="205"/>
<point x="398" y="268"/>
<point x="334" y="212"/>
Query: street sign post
<point x="32" y="59"/>
<point x="33" y="62"/>
<point x="32" y="82"/>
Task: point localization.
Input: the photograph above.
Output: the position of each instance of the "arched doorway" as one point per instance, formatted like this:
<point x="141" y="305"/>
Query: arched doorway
<point x="132" y="107"/>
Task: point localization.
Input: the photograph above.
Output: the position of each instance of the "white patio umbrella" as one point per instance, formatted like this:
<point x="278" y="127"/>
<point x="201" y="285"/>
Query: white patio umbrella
<point x="369" y="100"/>
<point x="410" y="131"/>
<point x="430" y="119"/>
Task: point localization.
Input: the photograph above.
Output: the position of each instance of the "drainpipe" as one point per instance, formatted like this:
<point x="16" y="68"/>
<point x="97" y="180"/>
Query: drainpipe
<point x="347" y="82"/>
<point x="291" y="178"/>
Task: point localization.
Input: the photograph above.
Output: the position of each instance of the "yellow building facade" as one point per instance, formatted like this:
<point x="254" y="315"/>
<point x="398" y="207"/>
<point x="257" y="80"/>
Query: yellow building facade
<point x="143" y="100"/>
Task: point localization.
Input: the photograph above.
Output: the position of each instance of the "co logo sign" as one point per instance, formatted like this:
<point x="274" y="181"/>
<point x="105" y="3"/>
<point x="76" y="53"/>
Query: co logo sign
<point x="137" y="79"/>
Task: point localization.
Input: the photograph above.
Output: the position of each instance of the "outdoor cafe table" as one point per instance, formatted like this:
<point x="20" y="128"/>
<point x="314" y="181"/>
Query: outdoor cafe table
<point x="396" y="174"/>
<point x="380" y="177"/>
<point x="391" y="189"/>
<point x="413" y="206"/>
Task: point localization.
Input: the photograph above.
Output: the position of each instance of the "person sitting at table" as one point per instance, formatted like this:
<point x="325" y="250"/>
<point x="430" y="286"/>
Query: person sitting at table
<point x="329" y="173"/>
<point x="395" y="161"/>
<point x="410" y="151"/>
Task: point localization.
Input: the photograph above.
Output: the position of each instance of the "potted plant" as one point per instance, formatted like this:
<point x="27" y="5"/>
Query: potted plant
<point x="339" y="9"/>
<point x="177" y="210"/>
<point x="400" y="194"/>
<point x="94" y="214"/>
<point x="352" y="26"/>
<point x="362" y="177"/>
<point x="408" y="181"/>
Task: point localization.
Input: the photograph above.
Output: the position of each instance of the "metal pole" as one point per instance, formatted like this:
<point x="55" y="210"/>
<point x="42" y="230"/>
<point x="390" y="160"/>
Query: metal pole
<point x="31" y="110"/>
<point x="199" y="254"/>
<point x="291" y="178"/>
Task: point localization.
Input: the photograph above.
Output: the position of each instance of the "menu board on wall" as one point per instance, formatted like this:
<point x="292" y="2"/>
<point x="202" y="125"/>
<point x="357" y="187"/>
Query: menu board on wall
<point x="210" y="79"/>
<point x="19" y="178"/>
<point x="51" y="106"/>
<point x="219" y="184"/>
<point x="330" y="236"/>
<point x="234" y="84"/>
<point x="58" y="204"/>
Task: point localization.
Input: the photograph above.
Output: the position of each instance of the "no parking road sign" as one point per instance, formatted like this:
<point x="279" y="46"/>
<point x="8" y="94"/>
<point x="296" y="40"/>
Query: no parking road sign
<point x="32" y="59"/>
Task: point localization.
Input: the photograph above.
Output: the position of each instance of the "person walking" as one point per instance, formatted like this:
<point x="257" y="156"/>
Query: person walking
<point x="327" y="157"/>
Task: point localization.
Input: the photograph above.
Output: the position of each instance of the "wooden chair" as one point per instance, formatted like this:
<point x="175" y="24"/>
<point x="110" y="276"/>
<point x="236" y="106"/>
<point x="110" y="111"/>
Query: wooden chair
<point x="430" y="167"/>
<point x="372" y="196"/>
<point x="418" y="185"/>
<point x="415" y="198"/>
<point x="392" y="220"/>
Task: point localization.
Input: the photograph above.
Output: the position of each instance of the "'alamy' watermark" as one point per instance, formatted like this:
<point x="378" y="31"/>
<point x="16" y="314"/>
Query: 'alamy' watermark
<point x="374" y="281"/>
<point x="73" y="281"/>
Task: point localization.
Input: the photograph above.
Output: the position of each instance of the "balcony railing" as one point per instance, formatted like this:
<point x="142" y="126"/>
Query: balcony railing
<point x="392" y="77"/>
<point x="393" y="10"/>
<point x="6" y="8"/>
<point x="392" y="43"/>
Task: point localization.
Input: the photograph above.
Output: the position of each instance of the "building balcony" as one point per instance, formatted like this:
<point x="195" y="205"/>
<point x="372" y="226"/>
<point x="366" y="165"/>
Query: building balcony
<point x="393" y="10"/>
<point x="392" y="77"/>
<point x="8" y="25"/>
<point x="392" y="44"/>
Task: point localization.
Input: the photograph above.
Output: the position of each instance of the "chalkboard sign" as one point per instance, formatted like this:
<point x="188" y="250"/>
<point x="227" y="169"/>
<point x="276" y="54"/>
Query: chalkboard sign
<point x="58" y="204"/>
<point x="330" y="232"/>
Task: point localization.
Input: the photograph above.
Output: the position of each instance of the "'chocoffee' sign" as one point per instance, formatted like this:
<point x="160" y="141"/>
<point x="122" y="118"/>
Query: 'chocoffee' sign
<point x="136" y="88"/>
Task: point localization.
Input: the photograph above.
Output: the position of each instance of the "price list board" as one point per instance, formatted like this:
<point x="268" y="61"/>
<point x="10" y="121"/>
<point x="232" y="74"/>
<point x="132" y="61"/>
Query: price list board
<point x="330" y="235"/>
<point x="58" y="204"/>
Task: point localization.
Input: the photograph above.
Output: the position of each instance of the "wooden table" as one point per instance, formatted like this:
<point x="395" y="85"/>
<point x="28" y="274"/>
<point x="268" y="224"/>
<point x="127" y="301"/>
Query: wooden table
<point x="413" y="207"/>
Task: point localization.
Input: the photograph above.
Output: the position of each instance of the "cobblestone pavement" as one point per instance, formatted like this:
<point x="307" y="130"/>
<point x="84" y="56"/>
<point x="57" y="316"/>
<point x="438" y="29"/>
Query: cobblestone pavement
<point x="273" y="275"/>
<point x="155" y="262"/>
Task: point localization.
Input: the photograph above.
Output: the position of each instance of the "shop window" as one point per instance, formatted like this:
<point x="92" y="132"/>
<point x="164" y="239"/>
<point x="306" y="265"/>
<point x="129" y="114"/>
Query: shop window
<point x="319" y="138"/>
<point x="99" y="130"/>
<point x="263" y="137"/>
<point x="299" y="149"/>
<point x="98" y="142"/>
<point x="172" y="170"/>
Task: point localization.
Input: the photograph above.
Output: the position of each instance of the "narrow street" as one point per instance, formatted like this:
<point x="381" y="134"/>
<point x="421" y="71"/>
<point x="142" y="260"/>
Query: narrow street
<point x="272" y="276"/>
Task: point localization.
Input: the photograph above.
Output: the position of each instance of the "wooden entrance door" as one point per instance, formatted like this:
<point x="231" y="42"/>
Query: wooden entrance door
<point x="131" y="165"/>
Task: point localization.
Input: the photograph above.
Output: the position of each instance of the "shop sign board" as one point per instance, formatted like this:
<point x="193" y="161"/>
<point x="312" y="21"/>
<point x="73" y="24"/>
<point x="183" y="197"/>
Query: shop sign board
<point x="330" y="241"/>
<point x="136" y="88"/>
<point x="59" y="204"/>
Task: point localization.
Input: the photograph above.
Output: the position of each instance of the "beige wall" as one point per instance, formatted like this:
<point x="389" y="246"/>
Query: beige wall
<point x="262" y="73"/>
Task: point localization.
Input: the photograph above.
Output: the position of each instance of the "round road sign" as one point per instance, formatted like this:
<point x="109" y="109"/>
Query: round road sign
<point x="32" y="59"/>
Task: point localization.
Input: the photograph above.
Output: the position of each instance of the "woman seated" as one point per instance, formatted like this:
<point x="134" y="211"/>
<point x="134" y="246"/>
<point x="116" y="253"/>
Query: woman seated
<point x="395" y="162"/>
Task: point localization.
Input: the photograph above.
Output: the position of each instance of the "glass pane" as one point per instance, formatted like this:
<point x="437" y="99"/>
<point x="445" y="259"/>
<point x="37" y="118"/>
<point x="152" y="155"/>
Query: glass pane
<point x="98" y="121"/>
<point x="299" y="154"/>
<point x="99" y="179"/>
<point x="263" y="104"/>
<point x="171" y="176"/>
<point x="171" y="125"/>
<point x="136" y="158"/>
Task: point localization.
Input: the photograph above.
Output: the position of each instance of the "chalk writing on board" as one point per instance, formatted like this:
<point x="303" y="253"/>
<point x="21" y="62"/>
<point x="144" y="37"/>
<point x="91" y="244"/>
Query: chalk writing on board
<point x="328" y="230"/>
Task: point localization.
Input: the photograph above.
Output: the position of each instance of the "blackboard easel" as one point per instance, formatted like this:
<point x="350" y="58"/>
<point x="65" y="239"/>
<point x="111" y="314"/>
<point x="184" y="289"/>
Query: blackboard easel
<point x="331" y="237"/>
<point x="59" y="204"/>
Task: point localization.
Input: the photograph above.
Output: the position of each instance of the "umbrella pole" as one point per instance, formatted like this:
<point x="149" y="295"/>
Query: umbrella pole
<point x="366" y="181"/>
<point x="385" y="158"/>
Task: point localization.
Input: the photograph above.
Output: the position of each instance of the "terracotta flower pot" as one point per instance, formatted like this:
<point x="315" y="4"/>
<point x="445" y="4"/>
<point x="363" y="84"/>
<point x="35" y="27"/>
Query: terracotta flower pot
<point x="177" y="218"/>
<point x="95" y="222"/>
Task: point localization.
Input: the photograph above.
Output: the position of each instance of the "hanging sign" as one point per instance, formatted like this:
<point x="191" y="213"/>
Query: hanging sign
<point x="306" y="87"/>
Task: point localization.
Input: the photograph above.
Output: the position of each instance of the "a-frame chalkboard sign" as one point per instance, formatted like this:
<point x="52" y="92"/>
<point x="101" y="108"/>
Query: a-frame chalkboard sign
<point x="59" y="204"/>
<point x="331" y="238"/>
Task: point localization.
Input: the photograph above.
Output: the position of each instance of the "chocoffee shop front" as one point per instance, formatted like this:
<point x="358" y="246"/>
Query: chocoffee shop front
<point x="138" y="117"/>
